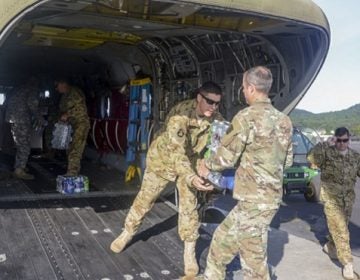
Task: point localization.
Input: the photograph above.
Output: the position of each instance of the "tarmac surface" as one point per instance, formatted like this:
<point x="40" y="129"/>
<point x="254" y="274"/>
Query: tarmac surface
<point x="296" y="258"/>
<point x="297" y="234"/>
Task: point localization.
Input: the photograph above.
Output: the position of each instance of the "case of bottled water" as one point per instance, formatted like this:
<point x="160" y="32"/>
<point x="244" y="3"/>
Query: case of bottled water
<point x="72" y="184"/>
<point x="220" y="180"/>
<point x="61" y="136"/>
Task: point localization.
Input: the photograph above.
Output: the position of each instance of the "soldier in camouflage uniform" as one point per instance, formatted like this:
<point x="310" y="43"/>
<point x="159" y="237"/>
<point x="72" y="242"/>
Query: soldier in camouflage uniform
<point x="73" y="109"/>
<point x="52" y="118"/>
<point x="21" y="112"/>
<point x="173" y="156"/>
<point x="339" y="166"/>
<point x="259" y="144"/>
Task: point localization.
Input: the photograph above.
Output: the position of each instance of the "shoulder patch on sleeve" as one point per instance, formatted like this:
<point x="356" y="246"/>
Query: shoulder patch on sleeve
<point x="180" y="133"/>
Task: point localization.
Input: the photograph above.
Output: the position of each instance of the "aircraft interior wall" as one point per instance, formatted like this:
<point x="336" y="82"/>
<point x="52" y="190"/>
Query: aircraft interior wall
<point x="62" y="39"/>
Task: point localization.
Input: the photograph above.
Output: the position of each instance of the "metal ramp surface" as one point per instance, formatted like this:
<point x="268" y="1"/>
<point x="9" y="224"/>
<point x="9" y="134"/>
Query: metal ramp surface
<point x="70" y="239"/>
<point x="48" y="235"/>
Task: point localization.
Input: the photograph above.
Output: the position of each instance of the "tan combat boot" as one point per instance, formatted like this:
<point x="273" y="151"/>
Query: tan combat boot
<point x="21" y="174"/>
<point x="120" y="242"/>
<point x="348" y="271"/>
<point x="191" y="267"/>
<point x="330" y="250"/>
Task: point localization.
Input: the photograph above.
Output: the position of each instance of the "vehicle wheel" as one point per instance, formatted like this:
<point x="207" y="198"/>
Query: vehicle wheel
<point x="312" y="192"/>
<point x="213" y="216"/>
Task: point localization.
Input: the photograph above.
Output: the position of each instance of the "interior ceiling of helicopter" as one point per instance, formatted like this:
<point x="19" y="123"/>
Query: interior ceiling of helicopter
<point x="171" y="41"/>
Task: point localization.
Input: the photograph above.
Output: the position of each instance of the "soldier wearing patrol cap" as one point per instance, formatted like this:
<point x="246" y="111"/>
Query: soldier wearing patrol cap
<point x="173" y="156"/>
<point x="259" y="144"/>
<point x="339" y="166"/>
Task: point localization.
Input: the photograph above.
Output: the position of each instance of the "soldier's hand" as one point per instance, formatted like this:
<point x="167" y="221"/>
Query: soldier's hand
<point x="201" y="185"/>
<point x="64" y="117"/>
<point x="202" y="170"/>
<point x="331" y="140"/>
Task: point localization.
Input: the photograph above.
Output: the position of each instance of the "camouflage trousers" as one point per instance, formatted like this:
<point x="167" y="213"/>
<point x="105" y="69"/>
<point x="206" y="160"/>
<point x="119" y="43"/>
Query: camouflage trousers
<point x="244" y="231"/>
<point x="21" y="133"/>
<point x="151" y="187"/>
<point x="77" y="147"/>
<point x="48" y="134"/>
<point x="338" y="212"/>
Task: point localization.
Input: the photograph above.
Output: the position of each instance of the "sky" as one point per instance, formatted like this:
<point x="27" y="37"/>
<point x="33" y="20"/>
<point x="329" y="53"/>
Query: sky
<point x="337" y="85"/>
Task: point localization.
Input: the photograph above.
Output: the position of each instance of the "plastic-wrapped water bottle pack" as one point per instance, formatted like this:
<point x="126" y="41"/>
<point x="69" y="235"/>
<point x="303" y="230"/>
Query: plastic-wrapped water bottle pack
<point x="61" y="136"/>
<point x="224" y="180"/>
<point x="72" y="184"/>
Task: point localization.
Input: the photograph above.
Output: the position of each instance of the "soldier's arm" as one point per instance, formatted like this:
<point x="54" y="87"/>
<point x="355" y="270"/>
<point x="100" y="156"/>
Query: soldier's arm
<point x="317" y="154"/>
<point x="232" y="145"/>
<point x="288" y="134"/>
<point x="176" y="130"/>
<point x="74" y="102"/>
<point x="289" y="156"/>
<point x="33" y="103"/>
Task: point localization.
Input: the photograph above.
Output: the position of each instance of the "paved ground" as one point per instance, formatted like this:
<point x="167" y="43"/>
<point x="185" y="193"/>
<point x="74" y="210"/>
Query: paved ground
<point x="297" y="234"/>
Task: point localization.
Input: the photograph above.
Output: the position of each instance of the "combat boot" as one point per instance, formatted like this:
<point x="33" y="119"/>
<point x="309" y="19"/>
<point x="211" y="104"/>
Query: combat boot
<point x="330" y="250"/>
<point x="348" y="271"/>
<point x="21" y="174"/>
<point x="191" y="267"/>
<point x="121" y="241"/>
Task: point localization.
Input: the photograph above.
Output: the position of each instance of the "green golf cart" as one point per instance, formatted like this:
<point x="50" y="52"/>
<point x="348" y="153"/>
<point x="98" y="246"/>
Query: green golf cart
<point x="300" y="177"/>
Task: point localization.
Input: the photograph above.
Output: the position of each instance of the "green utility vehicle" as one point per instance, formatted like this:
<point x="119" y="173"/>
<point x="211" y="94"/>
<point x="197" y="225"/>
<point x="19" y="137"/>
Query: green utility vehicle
<point x="300" y="178"/>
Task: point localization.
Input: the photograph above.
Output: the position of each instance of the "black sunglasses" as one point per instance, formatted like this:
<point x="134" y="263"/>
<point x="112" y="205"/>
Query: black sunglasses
<point x="342" y="140"/>
<point x="210" y="101"/>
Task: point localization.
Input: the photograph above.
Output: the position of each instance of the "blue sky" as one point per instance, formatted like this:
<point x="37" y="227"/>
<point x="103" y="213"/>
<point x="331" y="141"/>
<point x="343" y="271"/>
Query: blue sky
<point x="337" y="86"/>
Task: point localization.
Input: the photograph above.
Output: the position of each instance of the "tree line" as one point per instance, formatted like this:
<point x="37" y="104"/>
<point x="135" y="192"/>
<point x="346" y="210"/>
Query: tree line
<point x="349" y="118"/>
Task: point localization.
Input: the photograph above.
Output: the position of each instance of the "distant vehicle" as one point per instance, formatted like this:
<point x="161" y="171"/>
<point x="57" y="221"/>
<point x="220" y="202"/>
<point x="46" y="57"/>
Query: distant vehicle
<point x="300" y="178"/>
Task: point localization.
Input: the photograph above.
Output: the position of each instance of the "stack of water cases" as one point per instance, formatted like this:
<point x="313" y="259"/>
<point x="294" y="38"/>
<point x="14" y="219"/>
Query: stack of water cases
<point x="72" y="184"/>
<point x="139" y="121"/>
<point x="224" y="180"/>
<point x="61" y="136"/>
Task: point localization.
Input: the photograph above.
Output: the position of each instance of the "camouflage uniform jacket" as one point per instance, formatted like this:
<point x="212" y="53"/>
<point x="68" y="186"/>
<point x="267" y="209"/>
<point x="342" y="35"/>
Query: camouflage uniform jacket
<point x="73" y="103"/>
<point x="180" y="142"/>
<point x="338" y="172"/>
<point x="23" y="105"/>
<point x="259" y="144"/>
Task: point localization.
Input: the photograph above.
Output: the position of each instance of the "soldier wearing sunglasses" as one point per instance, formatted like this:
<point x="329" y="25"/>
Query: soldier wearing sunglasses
<point x="340" y="165"/>
<point x="172" y="157"/>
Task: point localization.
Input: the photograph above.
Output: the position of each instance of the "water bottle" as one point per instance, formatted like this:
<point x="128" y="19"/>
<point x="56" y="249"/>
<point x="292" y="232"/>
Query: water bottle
<point x="79" y="185"/>
<point x="86" y="183"/>
<point x="217" y="180"/>
<point x="61" y="136"/>
<point x="69" y="187"/>
<point x="218" y="130"/>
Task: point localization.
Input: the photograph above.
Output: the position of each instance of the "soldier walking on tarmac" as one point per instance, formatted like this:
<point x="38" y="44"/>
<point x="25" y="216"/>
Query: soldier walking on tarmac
<point x="22" y="112"/>
<point x="259" y="144"/>
<point x="339" y="167"/>
<point x="73" y="109"/>
<point x="173" y="156"/>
